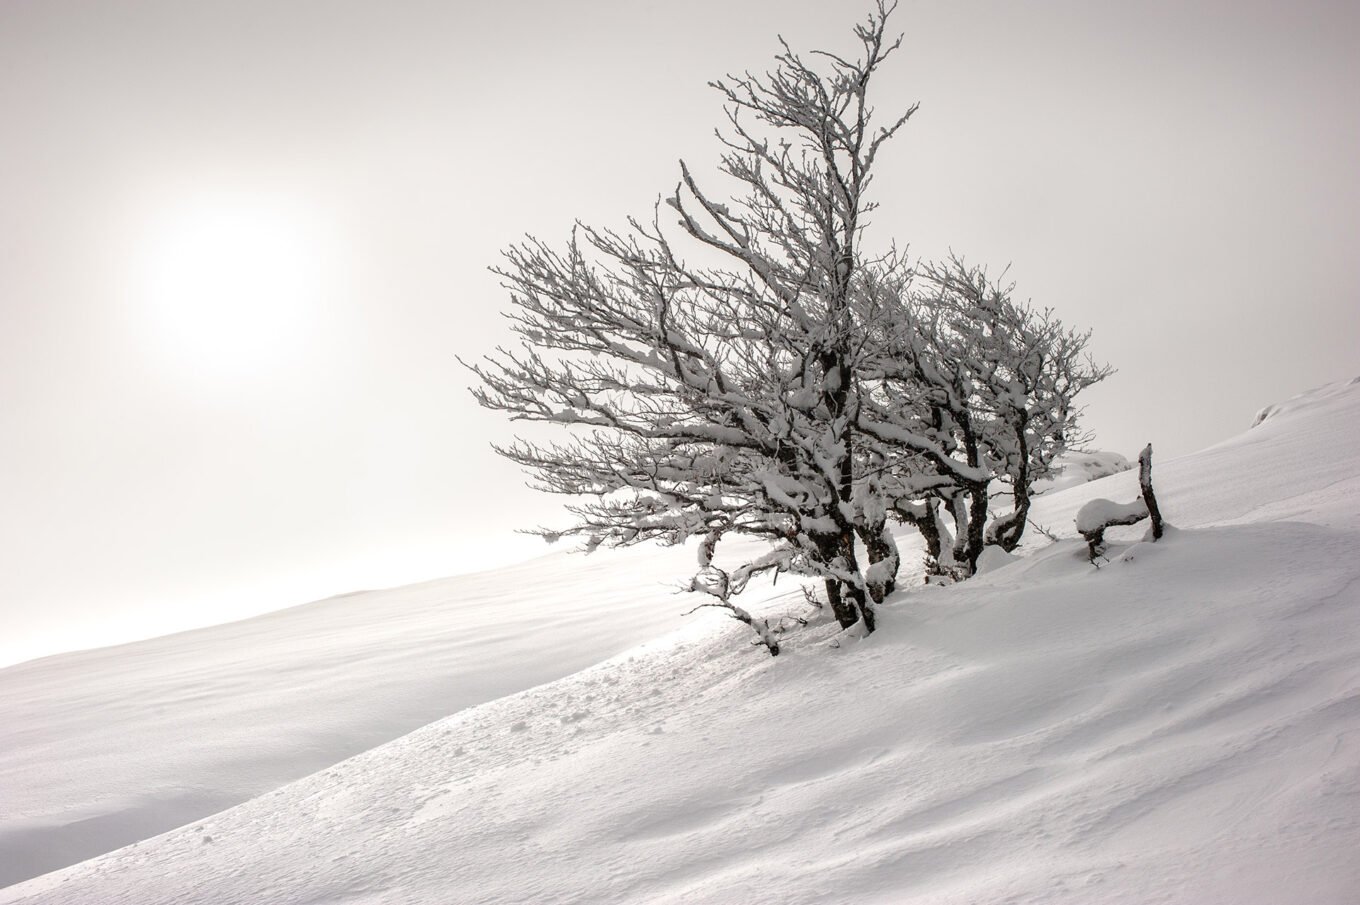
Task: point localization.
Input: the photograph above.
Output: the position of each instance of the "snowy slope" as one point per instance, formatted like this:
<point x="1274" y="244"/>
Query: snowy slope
<point x="1179" y="725"/>
<point x="101" y="748"/>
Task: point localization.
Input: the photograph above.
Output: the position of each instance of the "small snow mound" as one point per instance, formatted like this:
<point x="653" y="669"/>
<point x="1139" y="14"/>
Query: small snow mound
<point x="1076" y="467"/>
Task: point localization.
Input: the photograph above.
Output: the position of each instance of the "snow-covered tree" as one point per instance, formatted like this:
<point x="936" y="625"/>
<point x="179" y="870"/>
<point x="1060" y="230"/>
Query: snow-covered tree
<point x="738" y="363"/>
<point x="966" y="388"/>
<point x="716" y="398"/>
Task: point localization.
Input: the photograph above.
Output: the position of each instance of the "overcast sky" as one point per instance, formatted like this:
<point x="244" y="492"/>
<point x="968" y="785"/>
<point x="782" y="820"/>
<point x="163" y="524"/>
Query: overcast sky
<point x="242" y="242"/>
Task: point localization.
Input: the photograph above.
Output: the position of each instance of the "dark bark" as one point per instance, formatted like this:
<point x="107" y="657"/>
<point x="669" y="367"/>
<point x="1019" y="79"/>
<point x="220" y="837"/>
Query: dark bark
<point x="859" y="600"/>
<point x="848" y="601"/>
<point x="1009" y="530"/>
<point x="1149" y="498"/>
<point x="866" y="609"/>
<point x="977" y="524"/>
<point x="925" y="518"/>
<point x="842" y="604"/>
<point x="844" y="610"/>
<point x="973" y="532"/>
<point x="929" y="526"/>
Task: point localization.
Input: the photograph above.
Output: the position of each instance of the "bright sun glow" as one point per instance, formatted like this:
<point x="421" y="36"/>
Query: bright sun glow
<point x="232" y="287"/>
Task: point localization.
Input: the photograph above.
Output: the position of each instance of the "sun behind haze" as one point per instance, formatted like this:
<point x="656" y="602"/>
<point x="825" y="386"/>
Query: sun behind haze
<point x="228" y="286"/>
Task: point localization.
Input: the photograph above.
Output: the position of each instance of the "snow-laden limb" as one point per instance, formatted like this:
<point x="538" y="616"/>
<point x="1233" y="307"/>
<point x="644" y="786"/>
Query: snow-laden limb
<point x="1099" y="514"/>
<point x="723" y="585"/>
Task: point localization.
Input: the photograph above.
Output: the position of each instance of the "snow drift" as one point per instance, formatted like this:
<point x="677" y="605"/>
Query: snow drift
<point x="1180" y="724"/>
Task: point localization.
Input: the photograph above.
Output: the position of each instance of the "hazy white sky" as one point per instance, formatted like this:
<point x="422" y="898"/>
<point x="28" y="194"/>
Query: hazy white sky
<point x="241" y="243"/>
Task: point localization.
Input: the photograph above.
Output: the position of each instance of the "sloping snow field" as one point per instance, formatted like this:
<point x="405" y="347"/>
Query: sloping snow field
<point x="1180" y="725"/>
<point x="102" y="748"/>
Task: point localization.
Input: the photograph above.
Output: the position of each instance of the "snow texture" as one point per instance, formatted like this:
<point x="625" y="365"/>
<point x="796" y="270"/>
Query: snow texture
<point x="103" y="748"/>
<point x="1181" y="725"/>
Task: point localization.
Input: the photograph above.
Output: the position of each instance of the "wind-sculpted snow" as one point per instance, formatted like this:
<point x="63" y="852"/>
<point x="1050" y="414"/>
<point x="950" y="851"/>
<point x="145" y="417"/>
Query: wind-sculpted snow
<point x="1179" y="724"/>
<point x="1315" y="398"/>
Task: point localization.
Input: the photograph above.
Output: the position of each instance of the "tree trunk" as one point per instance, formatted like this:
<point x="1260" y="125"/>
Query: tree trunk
<point x="848" y="601"/>
<point x="958" y="508"/>
<point x="1007" y="531"/>
<point x="925" y="518"/>
<point x="865" y="606"/>
<point x="884" y="560"/>
<point x="1008" y="534"/>
<point x="845" y="610"/>
<point x="929" y="526"/>
<point x="849" y="564"/>
<point x="977" y="524"/>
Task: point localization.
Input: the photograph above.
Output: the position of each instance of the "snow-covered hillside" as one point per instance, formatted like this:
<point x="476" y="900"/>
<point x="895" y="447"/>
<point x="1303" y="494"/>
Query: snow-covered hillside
<point x="102" y="748"/>
<point x="1181" y="724"/>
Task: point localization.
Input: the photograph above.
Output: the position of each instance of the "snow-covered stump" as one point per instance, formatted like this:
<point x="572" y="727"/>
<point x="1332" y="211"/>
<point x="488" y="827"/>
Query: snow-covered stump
<point x="1098" y="515"/>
